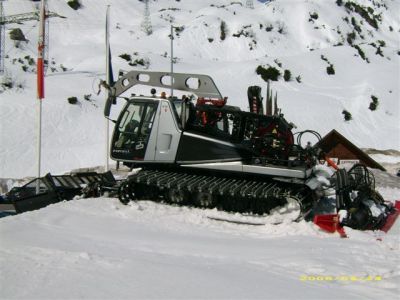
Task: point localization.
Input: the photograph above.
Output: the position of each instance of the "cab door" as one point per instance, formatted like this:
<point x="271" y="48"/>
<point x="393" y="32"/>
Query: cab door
<point x="168" y="134"/>
<point x="132" y="131"/>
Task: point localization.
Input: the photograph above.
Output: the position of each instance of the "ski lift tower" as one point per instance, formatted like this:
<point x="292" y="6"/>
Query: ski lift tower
<point x="2" y="37"/>
<point x="146" y="24"/>
<point x="18" y="18"/>
<point x="250" y="4"/>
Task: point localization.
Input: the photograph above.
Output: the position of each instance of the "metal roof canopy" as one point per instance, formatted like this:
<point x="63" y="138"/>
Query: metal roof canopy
<point x="200" y="85"/>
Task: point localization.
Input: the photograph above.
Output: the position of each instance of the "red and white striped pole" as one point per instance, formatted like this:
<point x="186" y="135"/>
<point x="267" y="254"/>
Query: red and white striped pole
<point x="40" y="81"/>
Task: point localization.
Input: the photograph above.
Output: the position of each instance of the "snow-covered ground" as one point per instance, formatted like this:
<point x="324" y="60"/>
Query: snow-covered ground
<point x="100" y="249"/>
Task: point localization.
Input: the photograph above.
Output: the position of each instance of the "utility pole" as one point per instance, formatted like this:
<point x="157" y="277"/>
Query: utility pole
<point x="2" y="38"/>
<point x="146" y="24"/>
<point x="250" y="4"/>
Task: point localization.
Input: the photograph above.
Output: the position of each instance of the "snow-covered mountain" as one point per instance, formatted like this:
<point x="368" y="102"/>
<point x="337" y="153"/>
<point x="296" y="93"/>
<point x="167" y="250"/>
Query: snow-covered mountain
<point x="101" y="249"/>
<point x="358" y="39"/>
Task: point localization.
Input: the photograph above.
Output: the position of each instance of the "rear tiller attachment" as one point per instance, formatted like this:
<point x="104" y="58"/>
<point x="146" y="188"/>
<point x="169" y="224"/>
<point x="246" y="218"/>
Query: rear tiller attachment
<point x="358" y="205"/>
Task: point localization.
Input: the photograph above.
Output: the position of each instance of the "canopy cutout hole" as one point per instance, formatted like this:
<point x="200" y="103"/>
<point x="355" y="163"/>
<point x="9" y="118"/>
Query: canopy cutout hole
<point x="125" y="82"/>
<point x="166" y="80"/>
<point x="193" y="83"/>
<point x="143" y="77"/>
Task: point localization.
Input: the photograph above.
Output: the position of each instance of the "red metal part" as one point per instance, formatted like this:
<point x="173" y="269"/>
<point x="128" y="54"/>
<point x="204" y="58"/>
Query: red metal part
<point x="331" y="163"/>
<point x="207" y="118"/>
<point x="391" y="219"/>
<point x="330" y="223"/>
<point x="215" y="102"/>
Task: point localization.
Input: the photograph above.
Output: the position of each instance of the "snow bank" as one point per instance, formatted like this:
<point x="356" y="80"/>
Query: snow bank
<point x="98" y="248"/>
<point x="73" y="136"/>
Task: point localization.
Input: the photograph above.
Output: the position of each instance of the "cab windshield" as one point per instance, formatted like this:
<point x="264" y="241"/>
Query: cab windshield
<point x="134" y="127"/>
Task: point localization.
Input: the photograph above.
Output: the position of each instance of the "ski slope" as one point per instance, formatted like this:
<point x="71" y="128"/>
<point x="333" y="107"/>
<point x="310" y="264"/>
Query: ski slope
<point x="100" y="249"/>
<point x="73" y="135"/>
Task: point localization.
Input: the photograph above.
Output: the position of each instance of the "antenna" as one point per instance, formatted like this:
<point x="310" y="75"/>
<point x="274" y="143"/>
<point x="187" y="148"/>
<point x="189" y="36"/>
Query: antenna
<point x="250" y="4"/>
<point x="172" y="61"/>
<point x="109" y="82"/>
<point x="146" y="24"/>
<point x="2" y="37"/>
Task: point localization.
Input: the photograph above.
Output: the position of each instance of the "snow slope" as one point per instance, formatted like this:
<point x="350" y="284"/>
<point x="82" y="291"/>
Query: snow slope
<point x="100" y="249"/>
<point x="73" y="135"/>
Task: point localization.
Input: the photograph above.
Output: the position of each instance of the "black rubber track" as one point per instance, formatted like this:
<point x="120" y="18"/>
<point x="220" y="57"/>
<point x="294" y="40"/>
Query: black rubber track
<point x="244" y="195"/>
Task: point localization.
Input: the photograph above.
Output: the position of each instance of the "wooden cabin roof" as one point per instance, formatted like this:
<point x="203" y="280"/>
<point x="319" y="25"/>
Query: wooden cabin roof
<point x="335" y="141"/>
